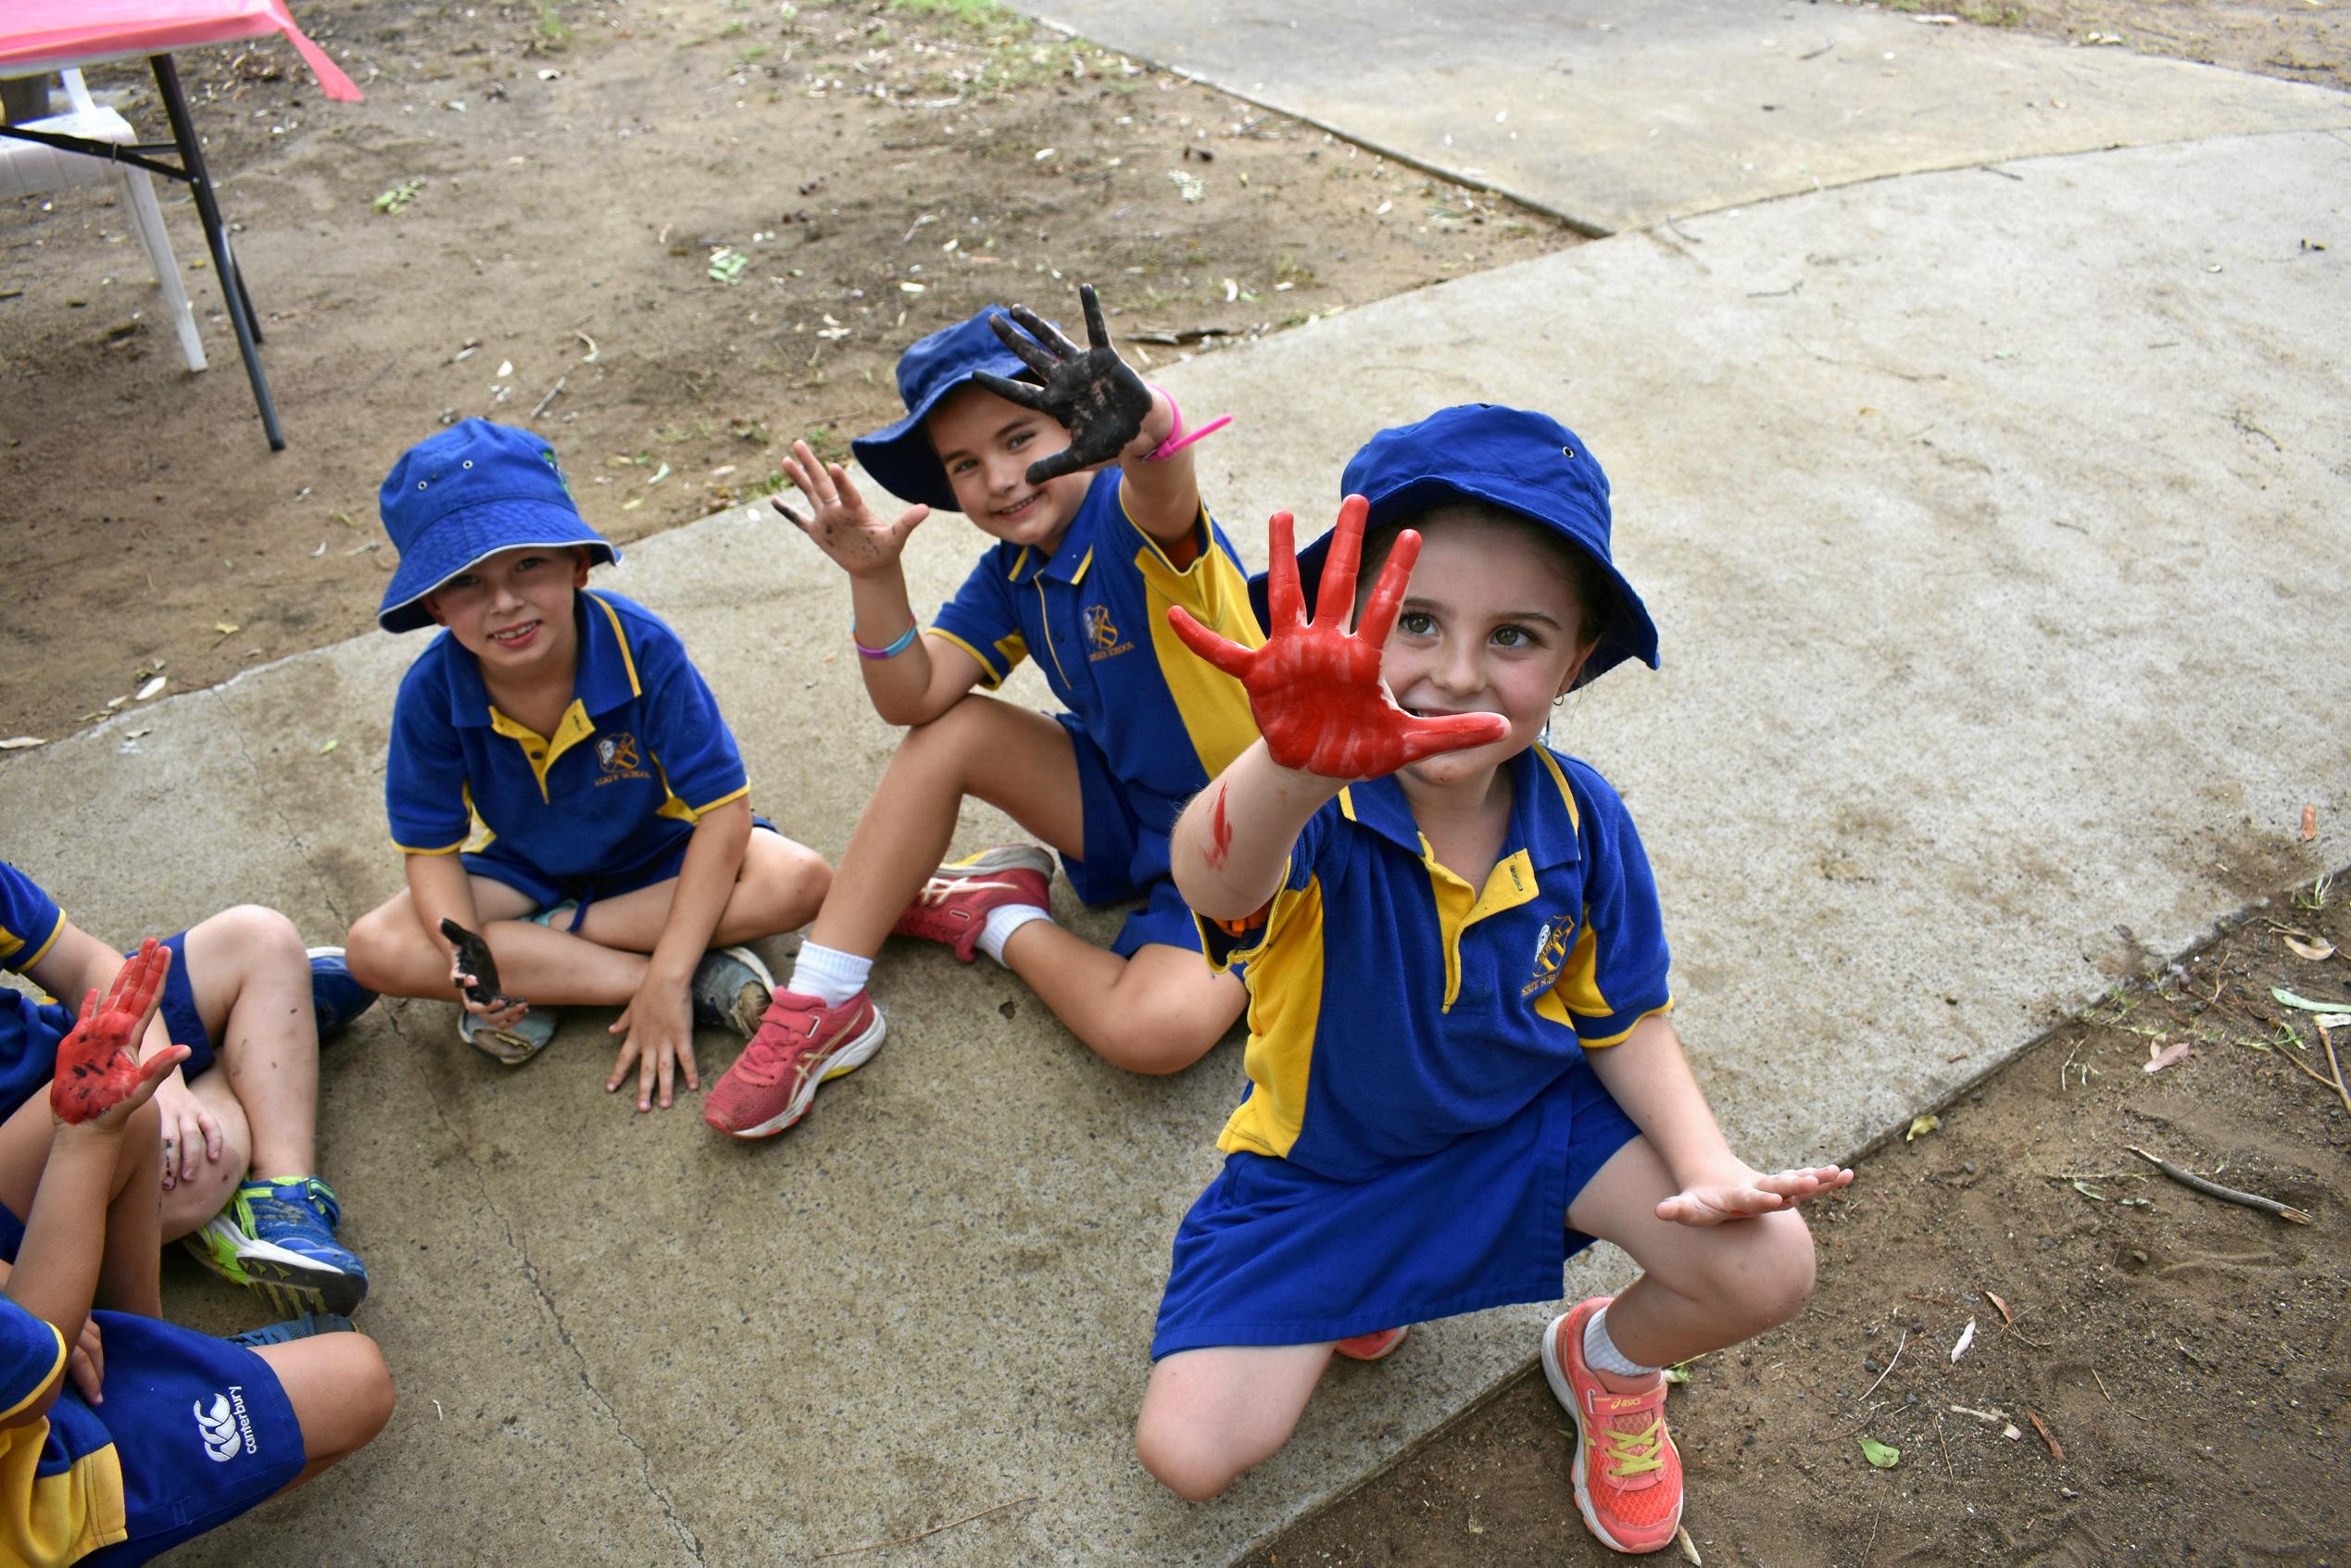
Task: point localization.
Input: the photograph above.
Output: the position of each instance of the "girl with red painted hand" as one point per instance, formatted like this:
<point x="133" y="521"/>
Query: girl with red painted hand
<point x="1461" y="1068"/>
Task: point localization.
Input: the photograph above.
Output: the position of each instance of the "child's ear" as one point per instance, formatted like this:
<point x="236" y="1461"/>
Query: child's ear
<point x="580" y="559"/>
<point x="433" y="608"/>
<point x="1567" y="682"/>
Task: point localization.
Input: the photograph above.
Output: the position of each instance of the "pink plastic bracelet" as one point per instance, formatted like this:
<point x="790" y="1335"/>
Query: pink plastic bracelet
<point x="1179" y="438"/>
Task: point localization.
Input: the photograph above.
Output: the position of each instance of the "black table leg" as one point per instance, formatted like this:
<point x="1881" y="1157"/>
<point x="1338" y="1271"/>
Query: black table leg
<point x="216" y="235"/>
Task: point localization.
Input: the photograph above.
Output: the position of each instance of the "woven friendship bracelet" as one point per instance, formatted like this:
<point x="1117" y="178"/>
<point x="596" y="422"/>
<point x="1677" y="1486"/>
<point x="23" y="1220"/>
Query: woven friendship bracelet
<point x="904" y="642"/>
<point x="1179" y="438"/>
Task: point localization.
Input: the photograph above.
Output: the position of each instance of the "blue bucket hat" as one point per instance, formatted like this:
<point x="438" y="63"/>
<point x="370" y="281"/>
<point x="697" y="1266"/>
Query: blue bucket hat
<point x="458" y="497"/>
<point x="1523" y="462"/>
<point x="900" y="456"/>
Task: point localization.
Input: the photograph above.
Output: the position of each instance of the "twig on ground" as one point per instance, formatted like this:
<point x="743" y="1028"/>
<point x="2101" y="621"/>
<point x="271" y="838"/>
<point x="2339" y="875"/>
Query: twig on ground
<point x="550" y="395"/>
<point x="1881" y="1377"/>
<point x="924" y="1534"/>
<point x="2056" y="1451"/>
<point x="2101" y="1384"/>
<point x="1948" y="1473"/>
<point x="2228" y="1194"/>
<point x="2326" y="1038"/>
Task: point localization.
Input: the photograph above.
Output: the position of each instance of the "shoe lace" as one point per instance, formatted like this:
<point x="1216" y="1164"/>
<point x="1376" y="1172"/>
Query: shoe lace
<point x="780" y="1044"/>
<point x="1625" y="1454"/>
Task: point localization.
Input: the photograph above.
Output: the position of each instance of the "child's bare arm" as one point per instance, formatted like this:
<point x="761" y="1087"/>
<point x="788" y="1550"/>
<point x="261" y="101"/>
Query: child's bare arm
<point x="1110" y="413"/>
<point x="1232" y="842"/>
<point x="1649" y="1077"/>
<point x="925" y="679"/>
<point x="441" y="889"/>
<point x="657" y="1027"/>
<point x="99" y="1086"/>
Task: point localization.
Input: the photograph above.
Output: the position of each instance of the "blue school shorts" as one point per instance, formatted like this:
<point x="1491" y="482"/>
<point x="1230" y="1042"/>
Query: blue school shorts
<point x="202" y="1428"/>
<point x="30" y="1074"/>
<point x="1124" y="858"/>
<point x="1272" y="1254"/>
<point x="545" y="892"/>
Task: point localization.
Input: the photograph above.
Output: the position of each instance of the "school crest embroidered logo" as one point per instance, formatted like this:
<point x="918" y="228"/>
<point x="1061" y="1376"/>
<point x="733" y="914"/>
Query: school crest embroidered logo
<point x="1552" y="946"/>
<point x="1102" y="633"/>
<point x="620" y="758"/>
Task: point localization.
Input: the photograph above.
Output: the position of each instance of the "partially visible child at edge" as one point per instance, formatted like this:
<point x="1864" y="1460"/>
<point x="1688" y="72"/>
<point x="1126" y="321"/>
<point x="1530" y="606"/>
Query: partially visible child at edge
<point x="122" y="1436"/>
<point x="1461" y="1069"/>
<point x="561" y="781"/>
<point x="250" y="1005"/>
<point x="1086" y="560"/>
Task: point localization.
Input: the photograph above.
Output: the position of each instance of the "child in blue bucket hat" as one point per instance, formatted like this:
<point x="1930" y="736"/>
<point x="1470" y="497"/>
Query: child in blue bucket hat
<point x="1080" y="474"/>
<point x="1461" y="1071"/>
<point x="561" y="781"/>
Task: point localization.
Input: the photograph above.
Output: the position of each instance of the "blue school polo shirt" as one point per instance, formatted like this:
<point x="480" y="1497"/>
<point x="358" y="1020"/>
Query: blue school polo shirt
<point x="637" y="759"/>
<point x="1094" y="617"/>
<point x="60" y="1483"/>
<point x="29" y="922"/>
<point x="1393" y="1008"/>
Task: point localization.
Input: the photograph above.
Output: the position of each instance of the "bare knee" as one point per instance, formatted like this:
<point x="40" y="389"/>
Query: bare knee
<point x="379" y="942"/>
<point x="192" y="1202"/>
<point x="797" y="889"/>
<point x="1187" y="1461"/>
<point x="259" y="936"/>
<point x="1771" y="1277"/>
<point x="1154" y="1048"/>
<point x="363" y="1398"/>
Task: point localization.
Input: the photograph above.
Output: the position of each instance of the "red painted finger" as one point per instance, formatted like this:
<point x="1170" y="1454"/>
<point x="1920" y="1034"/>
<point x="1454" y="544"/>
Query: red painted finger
<point x="1285" y="601"/>
<point x="1335" y="601"/>
<point x="1388" y="594"/>
<point x="1427" y="738"/>
<point x="139" y="981"/>
<point x="1228" y="656"/>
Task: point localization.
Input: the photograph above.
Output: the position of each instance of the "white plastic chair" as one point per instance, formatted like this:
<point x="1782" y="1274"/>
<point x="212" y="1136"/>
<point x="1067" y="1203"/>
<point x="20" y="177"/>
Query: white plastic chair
<point x="28" y="168"/>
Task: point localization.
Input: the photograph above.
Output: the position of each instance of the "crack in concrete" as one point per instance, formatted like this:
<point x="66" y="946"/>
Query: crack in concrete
<point x="686" y="1537"/>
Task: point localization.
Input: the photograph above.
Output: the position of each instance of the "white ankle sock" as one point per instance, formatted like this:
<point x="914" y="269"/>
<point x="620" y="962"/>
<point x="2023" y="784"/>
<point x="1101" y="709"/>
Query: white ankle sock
<point x="1601" y="1355"/>
<point x="831" y="976"/>
<point x="1002" y="920"/>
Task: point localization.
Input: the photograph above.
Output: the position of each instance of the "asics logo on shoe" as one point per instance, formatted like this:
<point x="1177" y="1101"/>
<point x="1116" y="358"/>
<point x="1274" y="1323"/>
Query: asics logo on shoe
<point x="227" y="1431"/>
<point x="940" y="887"/>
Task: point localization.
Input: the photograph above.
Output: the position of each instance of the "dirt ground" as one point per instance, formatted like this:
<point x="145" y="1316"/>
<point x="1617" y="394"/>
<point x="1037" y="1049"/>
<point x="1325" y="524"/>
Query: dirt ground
<point x="712" y="224"/>
<point x="672" y="259"/>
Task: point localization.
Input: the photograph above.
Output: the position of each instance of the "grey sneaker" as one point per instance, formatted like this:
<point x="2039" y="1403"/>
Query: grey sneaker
<point x="515" y="1045"/>
<point x="731" y="988"/>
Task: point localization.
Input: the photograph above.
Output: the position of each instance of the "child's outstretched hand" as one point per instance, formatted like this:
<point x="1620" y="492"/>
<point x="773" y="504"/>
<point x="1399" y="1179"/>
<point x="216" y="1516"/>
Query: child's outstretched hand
<point x="99" y="1076"/>
<point x="1090" y="392"/>
<point x="475" y="974"/>
<point x="656" y="1034"/>
<point x="1315" y="688"/>
<point x="844" y="527"/>
<point x="1718" y="1203"/>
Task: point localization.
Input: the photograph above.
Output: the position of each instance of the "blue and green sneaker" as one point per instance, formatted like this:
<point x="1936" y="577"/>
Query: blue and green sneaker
<point x="277" y="1239"/>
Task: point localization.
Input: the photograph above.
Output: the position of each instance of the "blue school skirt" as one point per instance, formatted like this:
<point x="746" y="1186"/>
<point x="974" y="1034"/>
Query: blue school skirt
<point x="1272" y="1254"/>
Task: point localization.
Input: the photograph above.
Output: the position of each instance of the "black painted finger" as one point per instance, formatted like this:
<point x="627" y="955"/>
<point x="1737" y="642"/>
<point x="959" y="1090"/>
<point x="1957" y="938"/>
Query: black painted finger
<point x="1045" y="333"/>
<point x="1030" y="353"/>
<point x="1019" y="392"/>
<point x="795" y="518"/>
<point x="1097" y="332"/>
<point x="473" y="957"/>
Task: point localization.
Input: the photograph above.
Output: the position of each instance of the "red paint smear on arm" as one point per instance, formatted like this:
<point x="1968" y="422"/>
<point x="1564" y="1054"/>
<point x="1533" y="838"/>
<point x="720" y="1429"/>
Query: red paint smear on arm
<point x="1220" y="834"/>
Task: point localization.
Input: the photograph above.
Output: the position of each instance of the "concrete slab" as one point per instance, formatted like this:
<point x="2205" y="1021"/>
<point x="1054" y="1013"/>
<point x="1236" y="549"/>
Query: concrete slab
<point x="1987" y="523"/>
<point x="1619" y="113"/>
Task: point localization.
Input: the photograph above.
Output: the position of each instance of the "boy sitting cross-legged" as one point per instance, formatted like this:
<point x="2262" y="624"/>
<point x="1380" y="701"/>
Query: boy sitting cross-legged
<point x="561" y="781"/>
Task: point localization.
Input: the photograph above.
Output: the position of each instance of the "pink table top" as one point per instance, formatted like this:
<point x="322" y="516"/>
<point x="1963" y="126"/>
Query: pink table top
<point x="51" y="33"/>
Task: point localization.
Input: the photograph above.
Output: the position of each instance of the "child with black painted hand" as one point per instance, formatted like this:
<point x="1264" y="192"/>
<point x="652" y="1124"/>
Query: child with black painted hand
<point x="1080" y="473"/>
<point x="1461" y="1067"/>
<point x="121" y="1434"/>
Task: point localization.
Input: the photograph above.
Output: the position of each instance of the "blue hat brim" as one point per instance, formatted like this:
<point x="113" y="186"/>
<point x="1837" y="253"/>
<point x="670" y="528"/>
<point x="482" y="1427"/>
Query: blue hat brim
<point x="1634" y="635"/>
<point x="900" y="456"/>
<point x="470" y="535"/>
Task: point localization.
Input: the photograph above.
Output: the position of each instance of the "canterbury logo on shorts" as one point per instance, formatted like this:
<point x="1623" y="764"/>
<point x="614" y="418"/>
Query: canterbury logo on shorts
<point x="227" y="1431"/>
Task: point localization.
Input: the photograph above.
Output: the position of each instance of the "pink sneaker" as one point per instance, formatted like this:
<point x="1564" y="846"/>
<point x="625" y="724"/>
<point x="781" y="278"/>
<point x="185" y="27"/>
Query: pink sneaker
<point x="1373" y="1347"/>
<point x="954" y="905"/>
<point x="1627" y="1472"/>
<point x="800" y="1043"/>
